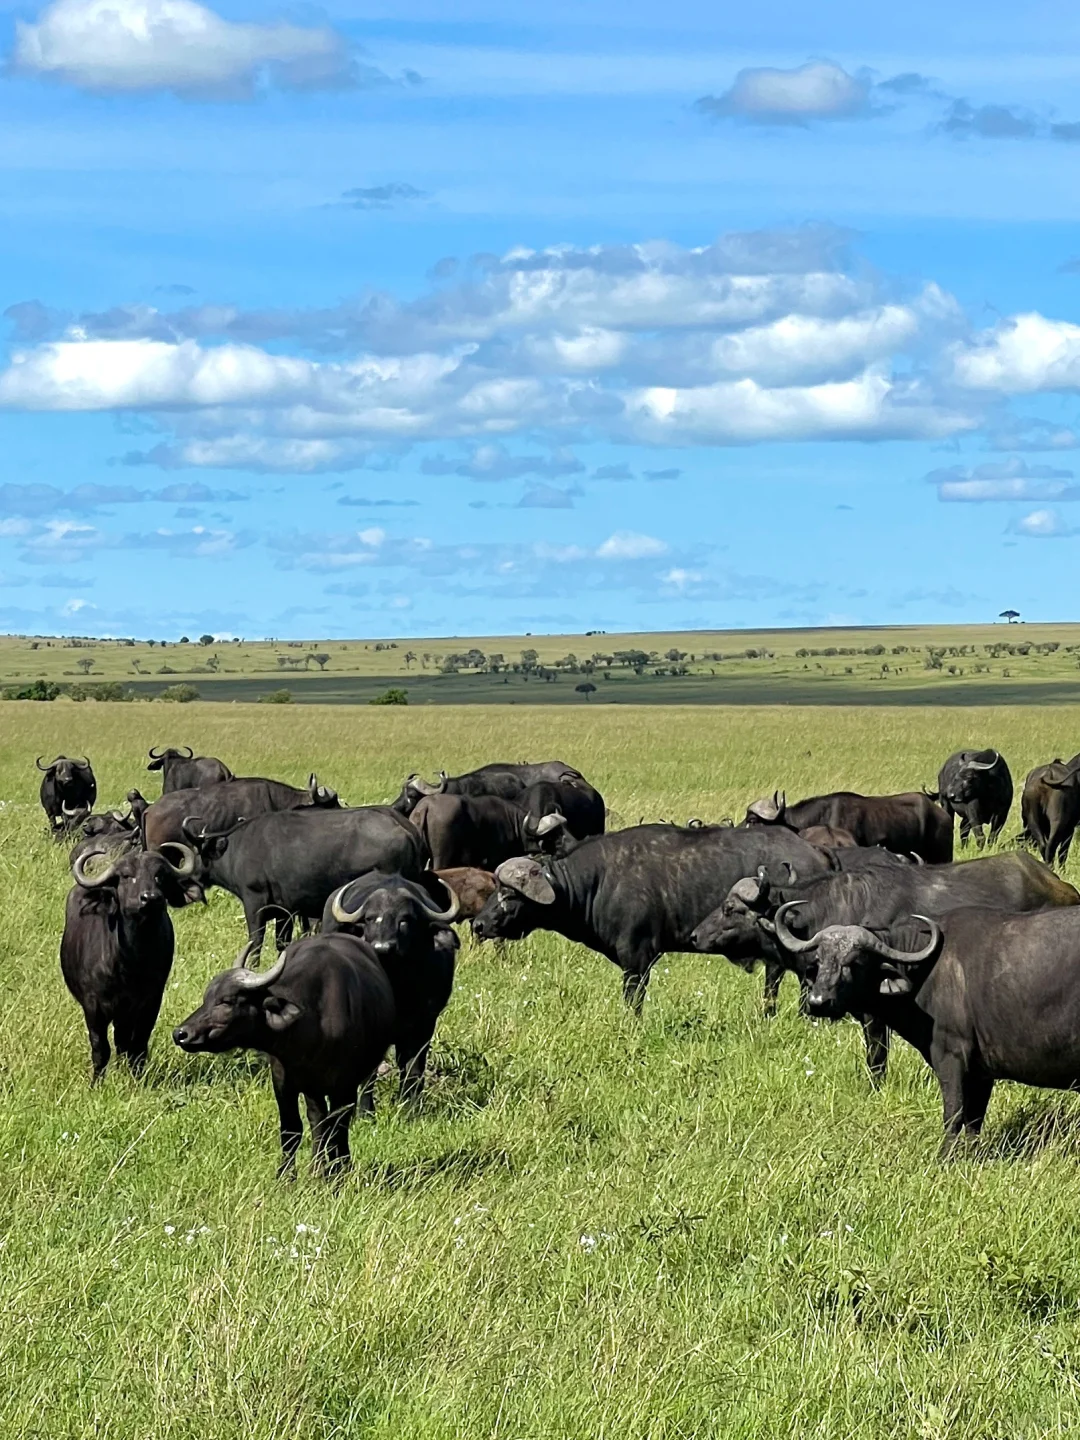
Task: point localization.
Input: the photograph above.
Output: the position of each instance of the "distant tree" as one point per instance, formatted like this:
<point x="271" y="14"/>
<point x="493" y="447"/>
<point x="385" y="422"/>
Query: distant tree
<point x="529" y="659"/>
<point x="1010" y="615"/>
<point x="206" y="639"/>
<point x="184" y="640"/>
<point x="180" y="694"/>
<point x="587" y="688"/>
<point x="86" y="664"/>
<point x="394" y="696"/>
<point x="151" y="643"/>
<point x="276" y="697"/>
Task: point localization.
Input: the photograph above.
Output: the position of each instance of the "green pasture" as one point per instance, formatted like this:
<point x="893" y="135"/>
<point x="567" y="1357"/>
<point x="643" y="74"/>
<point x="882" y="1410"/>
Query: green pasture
<point x="891" y="665"/>
<point x="699" y="1224"/>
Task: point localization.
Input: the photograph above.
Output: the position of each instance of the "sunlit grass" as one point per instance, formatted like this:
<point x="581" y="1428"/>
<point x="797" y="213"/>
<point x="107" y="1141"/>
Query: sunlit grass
<point x="700" y="1224"/>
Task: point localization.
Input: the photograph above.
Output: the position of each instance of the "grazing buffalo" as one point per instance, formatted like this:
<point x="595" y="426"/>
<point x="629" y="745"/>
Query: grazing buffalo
<point x="225" y="804"/>
<point x="909" y="824"/>
<point x="576" y="801"/>
<point x="482" y="830"/>
<point x="413" y="942"/>
<point x="634" y="894"/>
<point x="117" y="947"/>
<point x="977" y="786"/>
<point x="1050" y="807"/>
<point x="743" y="927"/>
<point x="184" y="770"/>
<point x="472" y="888"/>
<point x="324" y="1014"/>
<point x="988" y="996"/>
<point x="284" y="865"/>
<point x="507" y="781"/>
<point x="68" y="792"/>
<point x="113" y="832"/>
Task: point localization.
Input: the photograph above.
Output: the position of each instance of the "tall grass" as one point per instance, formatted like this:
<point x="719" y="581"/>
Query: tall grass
<point x="698" y="1224"/>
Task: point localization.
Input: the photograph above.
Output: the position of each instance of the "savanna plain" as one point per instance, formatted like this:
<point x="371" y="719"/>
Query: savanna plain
<point x="697" y="1223"/>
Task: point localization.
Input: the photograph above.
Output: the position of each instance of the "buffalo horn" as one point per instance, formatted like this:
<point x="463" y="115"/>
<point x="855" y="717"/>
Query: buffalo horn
<point x="88" y="882"/>
<point x="784" y="935"/>
<point x="155" y="752"/>
<point x="416" y="782"/>
<point x="255" y="979"/>
<point x="446" y="916"/>
<point x="70" y="810"/>
<point x="188" y="858"/>
<point x="911" y="957"/>
<point x="337" y="909"/>
<point x="50" y="766"/>
<point x="83" y="764"/>
<point x="984" y="765"/>
<point x="527" y="878"/>
<point x="547" y="823"/>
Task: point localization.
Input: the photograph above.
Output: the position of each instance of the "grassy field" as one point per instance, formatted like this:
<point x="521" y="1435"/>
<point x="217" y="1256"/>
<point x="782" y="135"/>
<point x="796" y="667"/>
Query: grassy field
<point x="927" y="665"/>
<point x="699" y="1224"/>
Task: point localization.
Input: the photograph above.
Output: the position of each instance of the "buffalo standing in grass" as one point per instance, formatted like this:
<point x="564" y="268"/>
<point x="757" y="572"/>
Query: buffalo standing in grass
<point x="1050" y="807"/>
<point x="635" y="894"/>
<point x="983" y="996"/>
<point x="117" y="947"/>
<point x="413" y="942"/>
<point x="184" y="770"/>
<point x="324" y="1014"/>
<point x="505" y="780"/>
<point x="977" y="786"/>
<point x="68" y="791"/>
<point x="227" y="803"/>
<point x="909" y="824"/>
<point x="480" y="831"/>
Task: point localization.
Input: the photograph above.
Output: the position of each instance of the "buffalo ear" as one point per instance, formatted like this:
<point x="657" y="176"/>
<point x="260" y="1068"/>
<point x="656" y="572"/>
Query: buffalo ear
<point x="527" y="878"/>
<point x="279" y="1013"/>
<point x="193" y="892"/>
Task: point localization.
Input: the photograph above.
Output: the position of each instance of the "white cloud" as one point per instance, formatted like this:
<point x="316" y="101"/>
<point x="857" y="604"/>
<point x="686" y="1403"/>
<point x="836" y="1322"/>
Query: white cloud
<point x="373" y="536"/>
<point x="680" y="578"/>
<point x="178" y="45"/>
<point x="1043" y="525"/>
<point x="72" y="607"/>
<point x="818" y="90"/>
<point x="1019" y="356"/>
<point x="628" y="545"/>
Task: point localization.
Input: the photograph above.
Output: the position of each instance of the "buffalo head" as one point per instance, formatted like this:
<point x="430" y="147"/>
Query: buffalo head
<point x="767" y="811"/>
<point x="510" y="913"/>
<point x="237" y="1008"/>
<point x="142" y="880"/>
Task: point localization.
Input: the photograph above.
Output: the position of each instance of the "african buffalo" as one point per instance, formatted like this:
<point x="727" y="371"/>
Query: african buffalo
<point x="910" y="824"/>
<point x="977" y="786"/>
<point x="507" y="781"/>
<point x="117" y="947"/>
<point x="228" y="802"/>
<point x="988" y="996"/>
<point x="482" y="830"/>
<point x="284" y="865"/>
<point x="1050" y="807"/>
<point x="413" y="942"/>
<point x="68" y="792"/>
<point x="324" y="1014"/>
<point x="184" y="770"/>
<point x="473" y="888"/>
<point x="113" y="832"/>
<point x="635" y="894"/>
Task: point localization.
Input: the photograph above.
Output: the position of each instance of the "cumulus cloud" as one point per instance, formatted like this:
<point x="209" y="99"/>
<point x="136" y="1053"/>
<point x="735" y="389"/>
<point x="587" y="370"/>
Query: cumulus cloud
<point x="818" y="90"/>
<point x="180" y="46"/>
<point x="1019" y="434"/>
<point x="1043" y="525"/>
<point x="989" y="122"/>
<point x="629" y="545"/>
<point x="1012" y="479"/>
<point x="547" y="497"/>
<point x="1020" y="356"/>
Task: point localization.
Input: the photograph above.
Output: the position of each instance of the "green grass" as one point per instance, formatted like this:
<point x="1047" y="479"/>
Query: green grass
<point x="702" y="1224"/>
<point x="889" y="665"/>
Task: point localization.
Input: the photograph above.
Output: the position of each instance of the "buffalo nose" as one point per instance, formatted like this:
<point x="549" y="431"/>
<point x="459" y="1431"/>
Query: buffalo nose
<point x="381" y="947"/>
<point x="179" y="1035"/>
<point x="816" y="998"/>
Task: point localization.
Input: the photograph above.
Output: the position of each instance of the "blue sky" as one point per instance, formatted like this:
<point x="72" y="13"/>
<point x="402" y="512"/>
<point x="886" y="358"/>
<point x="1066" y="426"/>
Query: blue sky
<point x="469" y="318"/>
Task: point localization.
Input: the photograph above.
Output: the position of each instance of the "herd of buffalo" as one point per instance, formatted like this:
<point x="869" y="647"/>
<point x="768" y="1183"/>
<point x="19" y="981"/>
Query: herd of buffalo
<point x="975" y="964"/>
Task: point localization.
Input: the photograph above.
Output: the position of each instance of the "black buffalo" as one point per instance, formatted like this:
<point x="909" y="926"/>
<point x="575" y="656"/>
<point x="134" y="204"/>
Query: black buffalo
<point x="285" y="864"/>
<point x="1050" y="807"/>
<point x="910" y="824"/>
<point x="413" y="942"/>
<point x="743" y="928"/>
<point x="184" y="770"/>
<point x="112" y="832"/>
<point x="227" y="803"/>
<point x="68" y="792"/>
<point x="482" y="830"/>
<point x="117" y="947"/>
<point x="988" y="996"/>
<point x="580" y="805"/>
<point x="505" y="780"/>
<point x="635" y="894"/>
<point x="324" y="1014"/>
<point x="977" y="786"/>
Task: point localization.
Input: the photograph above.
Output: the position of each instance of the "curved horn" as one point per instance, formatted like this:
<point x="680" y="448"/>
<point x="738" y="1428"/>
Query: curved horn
<point x="155" y="753"/>
<point x="337" y="909"/>
<point x="547" y="823"/>
<point x="70" y="810"/>
<point x="916" y="858"/>
<point x="784" y="935"/>
<point x="446" y="916"/>
<point x="188" y="857"/>
<point x="190" y="752"/>
<point x="255" y="979"/>
<point x="911" y="957"/>
<point x="418" y="783"/>
<point x="47" y="768"/>
<point x="83" y="764"/>
<point x="982" y="764"/>
<point x="78" y="871"/>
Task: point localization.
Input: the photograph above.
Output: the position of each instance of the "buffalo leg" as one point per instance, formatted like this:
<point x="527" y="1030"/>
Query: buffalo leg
<point x="317" y="1114"/>
<point x="636" y="970"/>
<point x="342" y="1109"/>
<point x="876" y="1039"/>
<point x="774" y="975"/>
<point x="412" y="1055"/>
<point x="977" y="1091"/>
<point x="951" y="1070"/>
<point x="288" y="1103"/>
<point x="97" y="1027"/>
